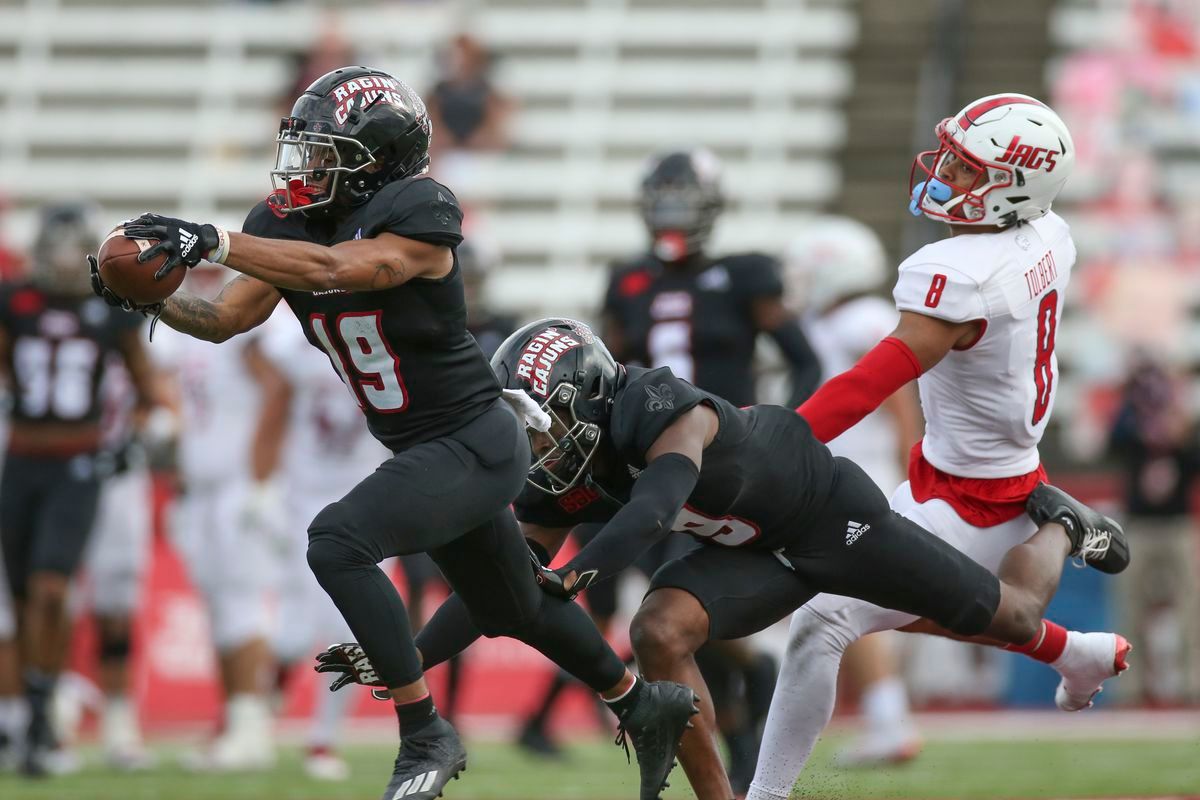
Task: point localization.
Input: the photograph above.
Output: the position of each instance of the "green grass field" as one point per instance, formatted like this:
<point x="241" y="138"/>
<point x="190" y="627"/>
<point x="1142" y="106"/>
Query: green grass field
<point x="947" y="769"/>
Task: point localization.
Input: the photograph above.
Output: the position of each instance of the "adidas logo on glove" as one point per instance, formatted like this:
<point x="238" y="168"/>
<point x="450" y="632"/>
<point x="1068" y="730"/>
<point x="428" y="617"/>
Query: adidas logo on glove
<point x="187" y="241"/>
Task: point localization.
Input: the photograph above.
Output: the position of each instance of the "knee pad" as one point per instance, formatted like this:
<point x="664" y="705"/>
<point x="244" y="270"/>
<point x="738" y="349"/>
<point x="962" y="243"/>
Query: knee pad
<point x="114" y="647"/>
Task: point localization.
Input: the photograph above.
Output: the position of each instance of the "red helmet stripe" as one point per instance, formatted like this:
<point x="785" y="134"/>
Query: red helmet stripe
<point x="979" y="109"/>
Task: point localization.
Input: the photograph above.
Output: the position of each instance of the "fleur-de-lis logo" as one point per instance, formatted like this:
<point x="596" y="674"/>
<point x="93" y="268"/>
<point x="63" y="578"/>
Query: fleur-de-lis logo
<point x="661" y="396"/>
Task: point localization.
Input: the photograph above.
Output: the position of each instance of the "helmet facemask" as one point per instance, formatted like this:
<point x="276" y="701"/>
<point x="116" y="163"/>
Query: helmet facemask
<point x="569" y="446"/>
<point x="308" y="165"/>
<point x="955" y="204"/>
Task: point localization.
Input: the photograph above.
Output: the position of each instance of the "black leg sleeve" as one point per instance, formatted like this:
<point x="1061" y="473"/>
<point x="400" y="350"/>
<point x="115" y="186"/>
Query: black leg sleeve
<point x="368" y="601"/>
<point x="448" y="632"/>
<point x="489" y="569"/>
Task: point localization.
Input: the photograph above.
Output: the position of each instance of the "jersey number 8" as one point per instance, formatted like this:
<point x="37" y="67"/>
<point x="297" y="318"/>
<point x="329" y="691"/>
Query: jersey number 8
<point x="1043" y="364"/>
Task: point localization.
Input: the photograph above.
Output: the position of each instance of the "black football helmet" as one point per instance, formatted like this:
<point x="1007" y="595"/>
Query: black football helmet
<point x="680" y="202"/>
<point x="353" y="131"/>
<point x="567" y="370"/>
<point x="67" y="232"/>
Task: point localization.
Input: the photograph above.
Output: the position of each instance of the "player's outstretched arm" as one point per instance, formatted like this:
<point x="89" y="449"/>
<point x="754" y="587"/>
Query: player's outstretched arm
<point x="243" y="304"/>
<point x="360" y="265"/>
<point x="672" y="469"/>
<point x="918" y="344"/>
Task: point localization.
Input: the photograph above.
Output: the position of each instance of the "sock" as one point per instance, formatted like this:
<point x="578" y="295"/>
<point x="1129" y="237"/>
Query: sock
<point x="331" y="710"/>
<point x="622" y="705"/>
<point x="248" y="715"/>
<point x="416" y="715"/>
<point x="39" y="688"/>
<point x="9" y="707"/>
<point x="885" y="705"/>
<point x="1046" y="646"/>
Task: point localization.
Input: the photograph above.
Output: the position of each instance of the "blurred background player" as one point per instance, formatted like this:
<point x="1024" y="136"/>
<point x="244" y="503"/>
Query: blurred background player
<point x="678" y="306"/>
<point x="55" y="339"/>
<point x="114" y="569"/>
<point x="1154" y="436"/>
<point x="320" y="452"/>
<point x="226" y="397"/>
<point x="833" y="270"/>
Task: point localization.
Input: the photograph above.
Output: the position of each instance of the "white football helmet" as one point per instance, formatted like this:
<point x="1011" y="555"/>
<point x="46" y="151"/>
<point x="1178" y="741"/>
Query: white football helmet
<point x="1022" y="150"/>
<point x="832" y="258"/>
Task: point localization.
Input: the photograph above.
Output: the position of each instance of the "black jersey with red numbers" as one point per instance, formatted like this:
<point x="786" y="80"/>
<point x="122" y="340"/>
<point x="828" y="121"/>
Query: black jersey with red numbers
<point x="405" y="352"/>
<point x="763" y="473"/>
<point x="58" y="346"/>
<point x="696" y="320"/>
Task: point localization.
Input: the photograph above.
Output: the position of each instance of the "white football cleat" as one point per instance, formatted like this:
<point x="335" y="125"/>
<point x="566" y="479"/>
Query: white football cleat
<point x="322" y="764"/>
<point x="122" y="738"/>
<point x="246" y="745"/>
<point x="1087" y="662"/>
<point x="874" y="749"/>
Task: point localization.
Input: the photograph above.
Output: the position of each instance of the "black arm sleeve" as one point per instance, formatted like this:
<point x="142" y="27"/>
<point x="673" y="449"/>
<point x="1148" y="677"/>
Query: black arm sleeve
<point x="802" y="362"/>
<point x="658" y="495"/>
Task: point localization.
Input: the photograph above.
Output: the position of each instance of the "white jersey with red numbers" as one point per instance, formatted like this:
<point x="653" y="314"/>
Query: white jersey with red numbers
<point x="986" y="406"/>
<point x="220" y="404"/>
<point x="840" y="337"/>
<point x="329" y="448"/>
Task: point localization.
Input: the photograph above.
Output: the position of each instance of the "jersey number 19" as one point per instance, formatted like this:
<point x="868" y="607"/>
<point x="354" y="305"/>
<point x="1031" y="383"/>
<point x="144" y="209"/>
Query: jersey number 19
<point x="364" y="360"/>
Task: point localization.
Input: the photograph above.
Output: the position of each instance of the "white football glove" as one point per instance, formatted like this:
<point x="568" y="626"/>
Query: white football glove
<point x="527" y="409"/>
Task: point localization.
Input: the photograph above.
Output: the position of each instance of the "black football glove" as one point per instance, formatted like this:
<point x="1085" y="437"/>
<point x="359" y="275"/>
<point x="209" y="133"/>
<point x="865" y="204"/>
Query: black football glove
<point x="551" y="580"/>
<point x="113" y="299"/>
<point x="352" y="666"/>
<point x="184" y="243"/>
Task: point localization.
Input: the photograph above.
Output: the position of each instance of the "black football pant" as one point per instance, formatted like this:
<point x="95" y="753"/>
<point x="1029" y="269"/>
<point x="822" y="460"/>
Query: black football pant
<point x="47" y="509"/>
<point x="450" y="497"/>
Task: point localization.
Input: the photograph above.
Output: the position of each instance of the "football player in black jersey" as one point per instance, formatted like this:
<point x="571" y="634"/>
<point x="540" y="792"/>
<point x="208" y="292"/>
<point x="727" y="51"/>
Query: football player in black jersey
<point x="55" y="339"/>
<point x="361" y="244"/>
<point x="679" y="306"/>
<point x="780" y="520"/>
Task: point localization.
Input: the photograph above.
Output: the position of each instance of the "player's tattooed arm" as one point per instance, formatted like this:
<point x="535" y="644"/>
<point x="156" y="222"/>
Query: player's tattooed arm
<point x="243" y="304"/>
<point x="361" y="265"/>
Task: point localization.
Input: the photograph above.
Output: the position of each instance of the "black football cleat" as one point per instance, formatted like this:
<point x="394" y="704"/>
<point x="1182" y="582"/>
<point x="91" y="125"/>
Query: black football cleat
<point x="535" y="740"/>
<point x="1097" y="541"/>
<point x="655" y="724"/>
<point x="426" y="763"/>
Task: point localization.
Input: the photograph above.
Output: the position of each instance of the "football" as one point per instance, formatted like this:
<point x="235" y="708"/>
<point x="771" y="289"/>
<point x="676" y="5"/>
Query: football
<point x="130" y="278"/>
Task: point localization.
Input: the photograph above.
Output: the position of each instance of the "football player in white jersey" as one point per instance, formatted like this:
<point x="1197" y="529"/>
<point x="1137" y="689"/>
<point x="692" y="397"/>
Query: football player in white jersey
<point x="978" y="317"/>
<point x="218" y="524"/>
<point x="115" y="566"/>
<point x="326" y="451"/>
<point x="831" y="271"/>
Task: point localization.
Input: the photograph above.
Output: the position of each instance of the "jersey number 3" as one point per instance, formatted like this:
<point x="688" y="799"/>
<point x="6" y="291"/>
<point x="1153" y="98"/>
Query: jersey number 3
<point x="363" y="359"/>
<point x="1043" y="364"/>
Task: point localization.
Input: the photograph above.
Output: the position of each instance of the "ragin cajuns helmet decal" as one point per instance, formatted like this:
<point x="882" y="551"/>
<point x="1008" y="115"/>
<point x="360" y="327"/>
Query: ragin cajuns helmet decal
<point x="539" y="357"/>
